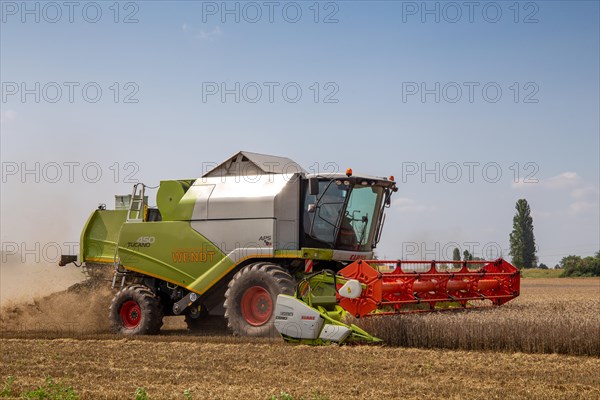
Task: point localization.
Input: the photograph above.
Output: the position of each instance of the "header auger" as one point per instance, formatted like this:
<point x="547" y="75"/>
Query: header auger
<point x="272" y="248"/>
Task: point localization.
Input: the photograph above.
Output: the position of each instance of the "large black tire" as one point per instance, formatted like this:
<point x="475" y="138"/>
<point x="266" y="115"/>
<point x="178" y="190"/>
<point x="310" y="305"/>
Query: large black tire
<point x="251" y="296"/>
<point x="136" y="310"/>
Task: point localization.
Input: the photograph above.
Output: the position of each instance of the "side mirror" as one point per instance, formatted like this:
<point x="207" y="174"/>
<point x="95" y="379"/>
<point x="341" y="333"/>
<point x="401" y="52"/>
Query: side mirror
<point x="311" y="208"/>
<point x="313" y="186"/>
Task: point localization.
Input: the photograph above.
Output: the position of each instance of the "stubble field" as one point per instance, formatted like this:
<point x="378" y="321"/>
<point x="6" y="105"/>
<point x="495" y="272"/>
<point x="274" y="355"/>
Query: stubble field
<point x="545" y="344"/>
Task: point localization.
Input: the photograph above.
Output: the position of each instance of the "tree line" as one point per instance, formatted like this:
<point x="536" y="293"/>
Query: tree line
<point x="578" y="266"/>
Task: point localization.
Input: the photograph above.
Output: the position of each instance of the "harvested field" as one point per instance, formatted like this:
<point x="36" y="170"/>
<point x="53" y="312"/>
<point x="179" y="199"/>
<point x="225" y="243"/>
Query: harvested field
<point x="229" y="368"/>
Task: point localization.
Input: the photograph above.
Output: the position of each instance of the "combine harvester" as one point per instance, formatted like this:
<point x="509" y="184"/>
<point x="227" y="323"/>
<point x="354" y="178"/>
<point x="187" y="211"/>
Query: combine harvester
<point x="268" y="245"/>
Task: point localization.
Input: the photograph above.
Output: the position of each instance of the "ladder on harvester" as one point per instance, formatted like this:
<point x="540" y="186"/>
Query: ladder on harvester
<point x="137" y="211"/>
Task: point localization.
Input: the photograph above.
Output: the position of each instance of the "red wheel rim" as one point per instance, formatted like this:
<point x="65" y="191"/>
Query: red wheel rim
<point x="257" y="306"/>
<point x="131" y="314"/>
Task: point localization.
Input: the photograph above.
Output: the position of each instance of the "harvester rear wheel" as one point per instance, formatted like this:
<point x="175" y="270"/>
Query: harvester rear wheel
<point x="251" y="296"/>
<point x="136" y="310"/>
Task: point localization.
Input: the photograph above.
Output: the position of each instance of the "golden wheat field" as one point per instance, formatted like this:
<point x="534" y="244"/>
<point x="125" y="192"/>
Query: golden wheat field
<point x="551" y="316"/>
<point x="545" y="344"/>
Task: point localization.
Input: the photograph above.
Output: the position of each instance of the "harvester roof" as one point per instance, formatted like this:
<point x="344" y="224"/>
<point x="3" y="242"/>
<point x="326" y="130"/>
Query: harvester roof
<point x="247" y="163"/>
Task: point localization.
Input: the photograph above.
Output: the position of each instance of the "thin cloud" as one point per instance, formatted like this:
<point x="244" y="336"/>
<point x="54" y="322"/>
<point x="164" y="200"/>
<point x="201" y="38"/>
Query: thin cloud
<point x="585" y="192"/>
<point x="585" y="198"/>
<point x="210" y="35"/>
<point x="203" y="35"/>
<point x="562" y="181"/>
<point x="583" y="207"/>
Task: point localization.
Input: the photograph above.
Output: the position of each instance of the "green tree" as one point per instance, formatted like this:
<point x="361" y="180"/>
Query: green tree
<point x="577" y="266"/>
<point x="456" y="257"/>
<point x="522" y="241"/>
<point x="467" y="256"/>
<point x="570" y="263"/>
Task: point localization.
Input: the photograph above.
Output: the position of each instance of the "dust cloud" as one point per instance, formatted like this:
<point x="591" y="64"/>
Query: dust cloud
<point x="60" y="300"/>
<point x="23" y="282"/>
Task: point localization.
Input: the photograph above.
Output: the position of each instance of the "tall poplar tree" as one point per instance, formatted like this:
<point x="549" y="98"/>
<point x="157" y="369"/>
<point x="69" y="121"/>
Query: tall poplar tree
<point x="522" y="241"/>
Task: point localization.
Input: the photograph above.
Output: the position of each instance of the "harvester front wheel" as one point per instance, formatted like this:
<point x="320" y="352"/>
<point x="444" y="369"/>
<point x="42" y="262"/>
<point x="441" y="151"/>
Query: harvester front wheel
<point x="136" y="310"/>
<point x="251" y="296"/>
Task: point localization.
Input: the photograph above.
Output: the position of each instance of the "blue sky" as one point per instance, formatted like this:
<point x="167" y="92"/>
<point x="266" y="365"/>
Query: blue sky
<point x="368" y="61"/>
